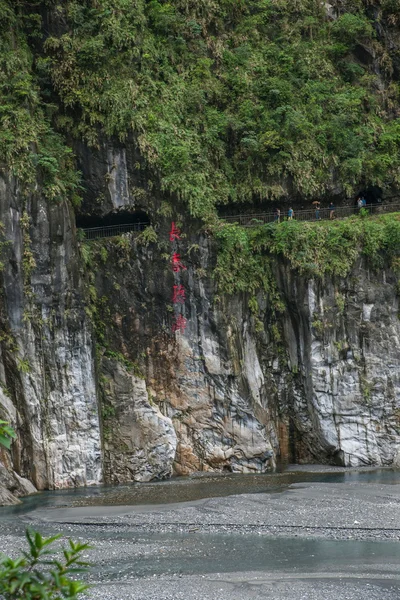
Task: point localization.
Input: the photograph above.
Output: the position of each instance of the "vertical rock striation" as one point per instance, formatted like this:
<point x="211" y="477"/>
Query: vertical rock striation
<point x="318" y="383"/>
<point x="236" y="391"/>
<point x="348" y="400"/>
<point x="47" y="370"/>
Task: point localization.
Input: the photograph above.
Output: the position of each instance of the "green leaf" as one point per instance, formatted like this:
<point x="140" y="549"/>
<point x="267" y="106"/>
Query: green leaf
<point x="4" y="441"/>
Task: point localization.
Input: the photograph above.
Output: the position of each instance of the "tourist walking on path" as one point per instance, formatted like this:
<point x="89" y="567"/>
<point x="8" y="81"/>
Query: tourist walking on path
<point x="317" y="205"/>
<point x="277" y="215"/>
<point x="290" y="214"/>
<point x="331" y="208"/>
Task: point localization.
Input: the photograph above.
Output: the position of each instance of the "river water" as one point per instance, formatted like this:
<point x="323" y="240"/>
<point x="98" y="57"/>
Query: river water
<point x="195" y="487"/>
<point x="204" y="537"/>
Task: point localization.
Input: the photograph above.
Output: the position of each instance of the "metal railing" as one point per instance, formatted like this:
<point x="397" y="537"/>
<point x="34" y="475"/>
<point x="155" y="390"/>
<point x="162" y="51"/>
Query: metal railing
<point x="252" y="220"/>
<point x="92" y="233"/>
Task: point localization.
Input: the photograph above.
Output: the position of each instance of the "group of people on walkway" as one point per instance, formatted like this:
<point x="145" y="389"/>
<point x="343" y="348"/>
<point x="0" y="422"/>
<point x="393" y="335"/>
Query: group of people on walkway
<point x="317" y="207"/>
<point x="361" y="203"/>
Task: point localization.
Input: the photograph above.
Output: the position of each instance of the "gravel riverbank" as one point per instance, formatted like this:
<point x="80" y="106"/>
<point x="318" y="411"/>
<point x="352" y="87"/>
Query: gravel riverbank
<point x="336" y="541"/>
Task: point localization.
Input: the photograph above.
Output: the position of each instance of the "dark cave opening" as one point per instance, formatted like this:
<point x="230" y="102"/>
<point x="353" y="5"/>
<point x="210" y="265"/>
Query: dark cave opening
<point x="372" y="194"/>
<point x="138" y="217"/>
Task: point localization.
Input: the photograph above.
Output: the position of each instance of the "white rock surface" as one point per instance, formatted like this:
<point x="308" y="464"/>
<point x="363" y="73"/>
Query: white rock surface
<point x="140" y="441"/>
<point x="47" y="378"/>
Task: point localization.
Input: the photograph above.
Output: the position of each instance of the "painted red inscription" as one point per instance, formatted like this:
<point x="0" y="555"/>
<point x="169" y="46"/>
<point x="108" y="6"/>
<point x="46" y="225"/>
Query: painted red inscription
<point x="180" y="324"/>
<point x="177" y="264"/>
<point x="175" y="233"/>
<point x="179" y="295"/>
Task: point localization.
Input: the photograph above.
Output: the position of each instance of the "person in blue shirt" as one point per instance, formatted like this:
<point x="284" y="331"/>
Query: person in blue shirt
<point x="361" y="202"/>
<point x="290" y="214"/>
<point x="331" y="208"/>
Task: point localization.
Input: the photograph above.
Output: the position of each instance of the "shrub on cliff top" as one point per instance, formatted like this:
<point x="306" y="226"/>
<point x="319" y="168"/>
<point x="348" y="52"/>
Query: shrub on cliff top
<point x="29" y="147"/>
<point x="228" y="99"/>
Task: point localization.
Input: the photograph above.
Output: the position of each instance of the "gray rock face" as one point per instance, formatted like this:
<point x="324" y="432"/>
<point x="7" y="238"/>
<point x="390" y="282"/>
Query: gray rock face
<point x="330" y="11"/>
<point x="12" y="486"/>
<point x="330" y="390"/>
<point x="140" y="442"/>
<point x="238" y="397"/>
<point x="47" y="379"/>
<point x="234" y="391"/>
<point x="350" y="367"/>
<point x="327" y="391"/>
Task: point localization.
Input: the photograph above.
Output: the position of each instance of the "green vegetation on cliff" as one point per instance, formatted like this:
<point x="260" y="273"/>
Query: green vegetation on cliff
<point x="245" y="256"/>
<point x="29" y="146"/>
<point x="7" y="434"/>
<point x="228" y="100"/>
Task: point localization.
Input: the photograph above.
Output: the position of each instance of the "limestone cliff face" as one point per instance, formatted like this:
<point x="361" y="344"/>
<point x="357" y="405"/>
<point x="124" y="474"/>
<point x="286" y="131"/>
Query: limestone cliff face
<point x="99" y="388"/>
<point x="321" y="385"/>
<point x="342" y="339"/>
<point x="47" y="370"/>
<point x="318" y="382"/>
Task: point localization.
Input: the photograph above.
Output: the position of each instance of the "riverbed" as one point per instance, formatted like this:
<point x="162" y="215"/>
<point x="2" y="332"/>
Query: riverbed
<point x="323" y="534"/>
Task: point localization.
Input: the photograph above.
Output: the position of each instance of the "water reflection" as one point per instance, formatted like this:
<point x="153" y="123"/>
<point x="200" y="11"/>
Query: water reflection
<point x="190" y="554"/>
<point x="195" y="487"/>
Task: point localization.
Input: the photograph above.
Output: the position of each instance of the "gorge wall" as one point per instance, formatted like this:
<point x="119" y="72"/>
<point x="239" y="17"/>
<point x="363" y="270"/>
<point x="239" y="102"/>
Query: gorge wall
<point x="48" y="385"/>
<point x="316" y="380"/>
<point x="98" y="387"/>
<point x="172" y="110"/>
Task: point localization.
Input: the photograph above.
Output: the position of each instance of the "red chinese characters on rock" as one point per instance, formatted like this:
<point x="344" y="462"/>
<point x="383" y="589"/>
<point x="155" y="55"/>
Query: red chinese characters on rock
<point x="179" y="295"/>
<point x="175" y="233"/>
<point x="177" y="264"/>
<point x="179" y="324"/>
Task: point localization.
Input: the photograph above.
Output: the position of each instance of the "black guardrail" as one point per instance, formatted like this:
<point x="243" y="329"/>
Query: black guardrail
<point x="92" y="233"/>
<point x="313" y="214"/>
<point x="252" y="220"/>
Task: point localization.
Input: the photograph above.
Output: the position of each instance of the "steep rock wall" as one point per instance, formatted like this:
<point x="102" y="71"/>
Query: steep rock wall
<point x="98" y="386"/>
<point x="343" y="346"/>
<point x="320" y="384"/>
<point x="47" y="371"/>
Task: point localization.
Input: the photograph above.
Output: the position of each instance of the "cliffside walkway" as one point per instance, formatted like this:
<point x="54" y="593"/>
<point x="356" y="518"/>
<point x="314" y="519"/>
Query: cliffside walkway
<point x="248" y="220"/>
<point x="341" y="212"/>
<point x="93" y="233"/>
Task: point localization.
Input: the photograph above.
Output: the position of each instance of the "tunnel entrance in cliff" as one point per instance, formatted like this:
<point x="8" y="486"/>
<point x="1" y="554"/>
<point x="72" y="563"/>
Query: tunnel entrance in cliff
<point x="372" y="195"/>
<point x="112" y="224"/>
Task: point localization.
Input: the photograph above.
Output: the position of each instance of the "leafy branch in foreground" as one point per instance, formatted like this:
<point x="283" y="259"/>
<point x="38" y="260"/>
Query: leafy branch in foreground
<point x="7" y="434"/>
<point x="35" y="575"/>
<point x="40" y="574"/>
